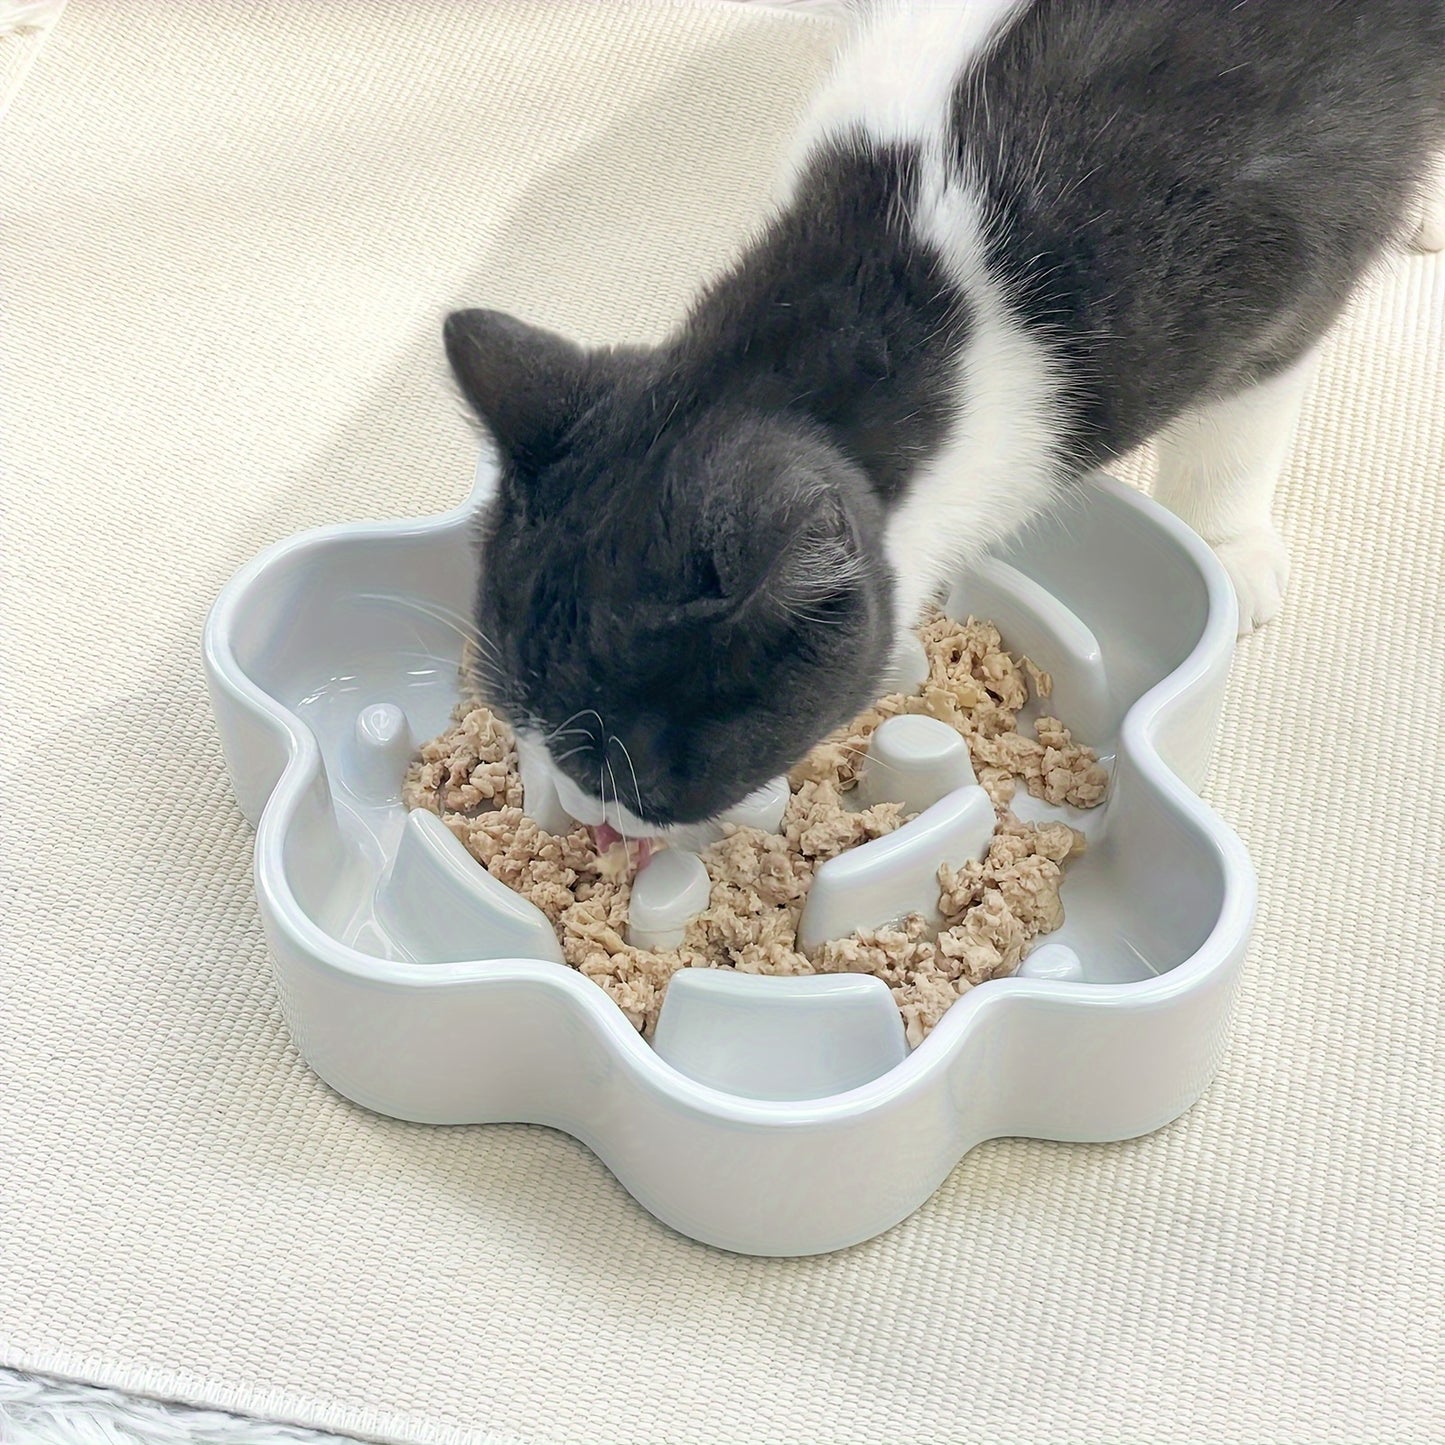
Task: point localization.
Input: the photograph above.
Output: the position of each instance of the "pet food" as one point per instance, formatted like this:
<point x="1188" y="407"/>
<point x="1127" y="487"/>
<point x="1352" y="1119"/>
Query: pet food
<point x="992" y="910"/>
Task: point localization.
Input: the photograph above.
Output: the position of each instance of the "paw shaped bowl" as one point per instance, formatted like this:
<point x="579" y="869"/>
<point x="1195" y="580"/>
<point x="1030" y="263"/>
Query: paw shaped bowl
<point x="774" y="1116"/>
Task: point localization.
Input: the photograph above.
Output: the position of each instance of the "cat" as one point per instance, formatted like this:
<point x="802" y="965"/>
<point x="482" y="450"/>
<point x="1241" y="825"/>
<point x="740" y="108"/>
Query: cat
<point x="1016" y="239"/>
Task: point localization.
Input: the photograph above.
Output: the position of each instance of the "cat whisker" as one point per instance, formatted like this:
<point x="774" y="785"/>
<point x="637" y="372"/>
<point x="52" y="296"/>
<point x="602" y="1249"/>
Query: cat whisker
<point x="480" y="673"/>
<point x="480" y="660"/>
<point x="571" y="753"/>
<point x="462" y="626"/>
<point x="617" y="801"/>
<point x="488" y="683"/>
<point x="566" y="723"/>
<point x="813" y="617"/>
<point x="636" y="787"/>
<point x="863" y="754"/>
<point x="565" y="733"/>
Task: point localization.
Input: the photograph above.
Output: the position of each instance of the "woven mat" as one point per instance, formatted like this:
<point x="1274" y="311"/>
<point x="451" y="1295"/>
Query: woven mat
<point x="229" y="233"/>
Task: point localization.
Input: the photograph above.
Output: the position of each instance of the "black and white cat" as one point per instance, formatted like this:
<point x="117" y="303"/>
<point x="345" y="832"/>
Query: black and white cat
<point x="1018" y="238"/>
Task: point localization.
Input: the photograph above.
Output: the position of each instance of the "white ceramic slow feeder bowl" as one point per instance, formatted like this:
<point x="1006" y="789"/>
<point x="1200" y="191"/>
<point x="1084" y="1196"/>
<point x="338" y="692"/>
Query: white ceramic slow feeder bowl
<point x="776" y="1116"/>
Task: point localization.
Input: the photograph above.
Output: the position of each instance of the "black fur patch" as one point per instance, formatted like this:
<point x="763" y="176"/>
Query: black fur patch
<point x="1186" y="193"/>
<point x="684" y="568"/>
<point x="841" y="314"/>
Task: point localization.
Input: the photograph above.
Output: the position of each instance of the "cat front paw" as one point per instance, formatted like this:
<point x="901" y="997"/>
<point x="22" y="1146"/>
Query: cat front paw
<point x="1258" y="564"/>
<point x="1430" y="232"/>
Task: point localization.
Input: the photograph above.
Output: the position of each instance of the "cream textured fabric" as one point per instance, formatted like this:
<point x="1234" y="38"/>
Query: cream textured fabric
<point x="24" y="27"/>
<point x="40" y="1410"/>
<point x="230" y="231"/>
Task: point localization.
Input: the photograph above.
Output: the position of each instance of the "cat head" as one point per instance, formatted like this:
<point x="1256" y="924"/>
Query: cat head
<point x="679" y="593"/>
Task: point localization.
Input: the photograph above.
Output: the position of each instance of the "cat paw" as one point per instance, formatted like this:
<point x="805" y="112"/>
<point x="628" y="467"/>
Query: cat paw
<point x="1258" y="564"/>
<point x="1430" y="233"/>
<point x="1430" y="221"/>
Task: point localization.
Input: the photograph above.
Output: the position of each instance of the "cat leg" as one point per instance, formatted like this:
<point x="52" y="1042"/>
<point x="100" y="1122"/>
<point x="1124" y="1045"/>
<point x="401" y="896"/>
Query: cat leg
<point x="1430" y="231"/>
<point x="1218" y="465"/>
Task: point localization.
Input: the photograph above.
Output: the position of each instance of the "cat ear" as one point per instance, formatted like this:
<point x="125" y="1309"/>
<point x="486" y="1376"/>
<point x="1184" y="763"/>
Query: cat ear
<point x="523" y="382"/>
<point x="793" y="574"/>
<point x="820" y="569"/>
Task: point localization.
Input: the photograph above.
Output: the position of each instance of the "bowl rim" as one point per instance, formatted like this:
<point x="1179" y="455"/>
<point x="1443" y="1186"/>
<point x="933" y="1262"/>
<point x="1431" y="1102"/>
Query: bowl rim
<point x="303" y="768"/>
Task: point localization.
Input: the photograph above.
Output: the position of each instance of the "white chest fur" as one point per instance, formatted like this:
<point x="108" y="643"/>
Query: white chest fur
<point x="1000" y="460"/>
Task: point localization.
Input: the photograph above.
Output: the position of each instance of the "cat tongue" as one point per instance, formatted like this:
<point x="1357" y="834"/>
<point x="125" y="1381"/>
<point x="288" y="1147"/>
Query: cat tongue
<point x="605" y="835"/>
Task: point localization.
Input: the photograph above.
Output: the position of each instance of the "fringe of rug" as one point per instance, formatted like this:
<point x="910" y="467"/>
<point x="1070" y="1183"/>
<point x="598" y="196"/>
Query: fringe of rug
<point x="24" y="27"/>
<point x="38" y="1410"/>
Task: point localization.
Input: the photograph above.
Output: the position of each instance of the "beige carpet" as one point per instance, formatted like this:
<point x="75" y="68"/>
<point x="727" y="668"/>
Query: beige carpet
<point x="24" y="28"/>
<point x="229" y="232"/>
